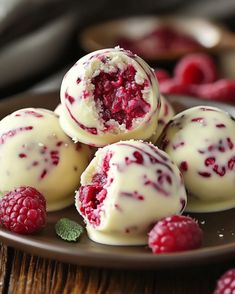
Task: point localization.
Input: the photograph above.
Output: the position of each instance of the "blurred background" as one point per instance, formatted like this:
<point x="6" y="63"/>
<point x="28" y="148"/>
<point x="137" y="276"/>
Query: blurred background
<point x="41" y="39"/>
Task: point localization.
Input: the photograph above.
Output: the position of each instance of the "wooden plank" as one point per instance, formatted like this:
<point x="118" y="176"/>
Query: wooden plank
<point x="3" y="268"/>
<point x="27" y="274"/>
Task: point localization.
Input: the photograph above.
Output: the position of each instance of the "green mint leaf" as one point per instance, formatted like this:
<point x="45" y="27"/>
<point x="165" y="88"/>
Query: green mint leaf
<point x="68" y="230"/>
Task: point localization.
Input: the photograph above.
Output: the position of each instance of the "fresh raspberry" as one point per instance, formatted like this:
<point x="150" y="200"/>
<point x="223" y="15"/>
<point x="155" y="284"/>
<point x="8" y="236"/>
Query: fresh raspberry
<point x="173" y="86"/>
<point x="196" y="68"/>
<point x="221" y="90"/>
<point x="175" y="233"/>
<point x="23" y="210"/>
<point x="226" y="283"/>
<point x="161" y="74"/>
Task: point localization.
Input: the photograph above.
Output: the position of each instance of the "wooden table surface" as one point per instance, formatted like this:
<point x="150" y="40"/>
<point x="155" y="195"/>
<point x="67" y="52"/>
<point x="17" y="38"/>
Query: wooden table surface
<point x="22" y="273"/>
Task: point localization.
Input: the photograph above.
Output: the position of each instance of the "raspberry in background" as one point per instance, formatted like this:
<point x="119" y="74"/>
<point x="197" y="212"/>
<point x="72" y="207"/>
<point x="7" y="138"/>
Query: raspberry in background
<point x="197" y="68"/>
<point x="175" y="233"/>
<point x="173" y="86"/>
<point x="162" y="40"/>
<point x="161" y="74"/>
<point x="23" y="210"/>
<point x="226" y="283"/>
<point x="222" y="90"/>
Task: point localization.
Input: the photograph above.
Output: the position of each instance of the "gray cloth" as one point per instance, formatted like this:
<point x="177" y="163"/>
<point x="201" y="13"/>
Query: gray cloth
<point x="34" y="36"/>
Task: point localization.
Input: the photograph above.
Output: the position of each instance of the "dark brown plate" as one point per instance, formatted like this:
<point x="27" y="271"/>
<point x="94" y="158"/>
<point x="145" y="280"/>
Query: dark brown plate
<point x="219" y="228"/>
<point x="211" y="36"/>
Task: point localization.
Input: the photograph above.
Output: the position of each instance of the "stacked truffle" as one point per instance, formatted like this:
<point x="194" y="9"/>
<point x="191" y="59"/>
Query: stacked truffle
<point x="110" y="99"/>
<point x="107" y="96"/>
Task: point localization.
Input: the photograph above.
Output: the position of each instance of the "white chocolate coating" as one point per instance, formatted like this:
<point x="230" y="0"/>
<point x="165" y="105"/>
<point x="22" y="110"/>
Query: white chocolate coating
<point x="34" y="151"/>
<point x="82" y="116"/>
<point x="165" y="114"/>
<point x="200" y="140"/>
<point x="58" y="109"/>
<point x="140" y="185"/>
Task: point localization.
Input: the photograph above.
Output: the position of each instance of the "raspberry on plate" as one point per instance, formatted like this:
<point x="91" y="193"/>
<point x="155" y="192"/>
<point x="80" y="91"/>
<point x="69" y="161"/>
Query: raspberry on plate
<point x="175" y="233"/>
<point x="23" y="210"/>
<point x="226" y="283"/>
<point x="197" y="68"/>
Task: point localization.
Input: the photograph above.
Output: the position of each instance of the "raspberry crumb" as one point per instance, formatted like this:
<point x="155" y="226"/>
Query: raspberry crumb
<point x="175" y="233"/>
<point x="23" y="210"/>
<point x="226" y="283"/>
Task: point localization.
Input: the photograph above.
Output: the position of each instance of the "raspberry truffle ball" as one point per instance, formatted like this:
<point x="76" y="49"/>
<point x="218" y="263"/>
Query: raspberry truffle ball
<point x="200" y="140"/>
<point x="107" y="96"/>
<point x="126" y="188"/>
<point x="58" y="109"/>
<point x="165" y="114"/>
<point x="34" y="151"/>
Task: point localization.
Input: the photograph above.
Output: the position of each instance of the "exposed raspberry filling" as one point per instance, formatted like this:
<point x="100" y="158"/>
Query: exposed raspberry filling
<point x="119" y="96"/>
<point x="92" y="196"/>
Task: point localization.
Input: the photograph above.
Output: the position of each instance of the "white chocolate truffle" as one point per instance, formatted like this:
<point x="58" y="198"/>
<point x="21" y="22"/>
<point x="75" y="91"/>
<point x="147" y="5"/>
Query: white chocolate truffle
<point x="58" y="109"/>
<point x="126" y="188"/>
<point x="200" y="140"/>
<point x="107" y="96"/>
<point x="165" y="114"/>
<point x="34" y="151"/>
